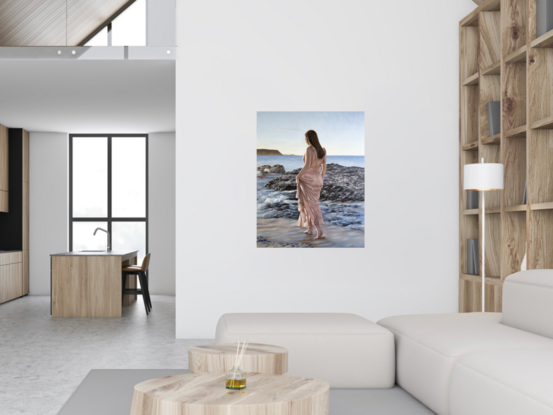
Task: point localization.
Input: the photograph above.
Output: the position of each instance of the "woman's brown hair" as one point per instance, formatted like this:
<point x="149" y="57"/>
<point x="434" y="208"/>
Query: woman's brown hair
<point x="312" y="138"/>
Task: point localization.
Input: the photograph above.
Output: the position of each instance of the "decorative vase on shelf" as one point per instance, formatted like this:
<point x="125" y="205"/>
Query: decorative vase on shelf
<point x="236" y="379"/>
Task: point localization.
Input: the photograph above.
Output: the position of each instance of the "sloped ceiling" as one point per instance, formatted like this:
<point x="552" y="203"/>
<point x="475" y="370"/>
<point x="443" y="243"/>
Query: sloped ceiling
<point x="55" y="22"/>
<point x="479" y="2"/>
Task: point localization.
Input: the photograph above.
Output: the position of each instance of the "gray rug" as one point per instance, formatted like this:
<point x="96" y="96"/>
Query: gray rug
<point x="109" y="392"/>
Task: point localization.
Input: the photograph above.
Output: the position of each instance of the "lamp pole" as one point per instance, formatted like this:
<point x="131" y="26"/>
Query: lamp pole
<point x="483" y="192"/>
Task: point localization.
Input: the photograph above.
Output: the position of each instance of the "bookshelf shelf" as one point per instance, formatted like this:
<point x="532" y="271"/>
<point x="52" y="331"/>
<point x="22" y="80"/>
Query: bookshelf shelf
<point x="471" y="146"/>
<point x="494" y="139"/>
<point x="515" y="208"/>
<point x="472" y="80"/>
<point x="543" y="124"/>
<point x="493" y="69"/>
<point x="518" y="56"/>
<point x="478" y="279"/>
<point x="519" y="132"/>
<point x="541" y="206"/>
<point x="498" y="42"/>
<point x="545" y="41"/>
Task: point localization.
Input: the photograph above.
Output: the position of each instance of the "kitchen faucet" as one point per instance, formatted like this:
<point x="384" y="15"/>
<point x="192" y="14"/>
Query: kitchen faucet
<point x="109" y="238"/>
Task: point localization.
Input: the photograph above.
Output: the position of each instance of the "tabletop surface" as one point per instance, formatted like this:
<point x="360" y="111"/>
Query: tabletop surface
<point x="109" y="392"/>
<point x="95" y="253"/>
<point x="253" y="349"/>
<point x="209" y="389"/>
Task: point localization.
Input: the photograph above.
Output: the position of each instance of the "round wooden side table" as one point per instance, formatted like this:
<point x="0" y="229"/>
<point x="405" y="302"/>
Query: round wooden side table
<point x="260" y="358"/>
<point x="205" y="394"/>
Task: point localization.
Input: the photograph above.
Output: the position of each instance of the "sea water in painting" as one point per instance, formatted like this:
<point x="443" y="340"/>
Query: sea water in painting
<point x="310" y="180"/>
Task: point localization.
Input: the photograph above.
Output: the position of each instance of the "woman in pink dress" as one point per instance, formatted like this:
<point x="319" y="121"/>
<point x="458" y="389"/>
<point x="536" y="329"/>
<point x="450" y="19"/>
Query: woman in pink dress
<point x="310" y="183"/>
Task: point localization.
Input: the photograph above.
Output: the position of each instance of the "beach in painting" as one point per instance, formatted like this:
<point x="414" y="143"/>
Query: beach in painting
<point x="342" y="203"/>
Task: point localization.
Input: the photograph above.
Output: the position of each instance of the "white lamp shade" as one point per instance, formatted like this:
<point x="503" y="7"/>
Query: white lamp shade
<point x="483" y="176"/>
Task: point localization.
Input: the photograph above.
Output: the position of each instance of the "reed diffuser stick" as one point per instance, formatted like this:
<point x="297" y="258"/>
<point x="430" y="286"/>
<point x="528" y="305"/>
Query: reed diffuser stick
<point x="239" y="357"/>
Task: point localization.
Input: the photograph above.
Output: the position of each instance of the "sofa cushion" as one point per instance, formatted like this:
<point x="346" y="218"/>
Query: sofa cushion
<point x="503" y="382"/>
<point x="346" y="350"/>
<point x="427" y="347"/>
<point x="528" y="301"/>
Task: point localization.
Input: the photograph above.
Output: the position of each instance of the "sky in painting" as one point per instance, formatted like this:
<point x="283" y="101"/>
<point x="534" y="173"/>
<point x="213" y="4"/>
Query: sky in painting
<point x="341" y="133"/>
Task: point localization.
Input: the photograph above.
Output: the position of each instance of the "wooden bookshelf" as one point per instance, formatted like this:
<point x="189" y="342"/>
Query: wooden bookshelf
<point x="501" y="60"/>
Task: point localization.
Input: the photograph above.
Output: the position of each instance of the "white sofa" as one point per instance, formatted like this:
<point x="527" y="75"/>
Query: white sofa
<point x="482" y="363"/>
<point x="346" y="350"/>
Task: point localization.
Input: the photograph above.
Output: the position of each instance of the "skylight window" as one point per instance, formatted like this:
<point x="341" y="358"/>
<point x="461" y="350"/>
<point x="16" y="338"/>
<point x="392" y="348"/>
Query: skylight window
<point x="127" y="29"/>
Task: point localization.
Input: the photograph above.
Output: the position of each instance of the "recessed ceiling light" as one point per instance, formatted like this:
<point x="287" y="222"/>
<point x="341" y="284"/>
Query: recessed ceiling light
<point x="73" y="52"/>
<point x="59" y="52"/>
<point x="168" y="52"/>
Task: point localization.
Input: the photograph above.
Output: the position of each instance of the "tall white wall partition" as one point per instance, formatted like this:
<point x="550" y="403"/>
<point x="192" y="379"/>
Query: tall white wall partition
<point x="389" y="59"/>
<point x="48" y="208"/>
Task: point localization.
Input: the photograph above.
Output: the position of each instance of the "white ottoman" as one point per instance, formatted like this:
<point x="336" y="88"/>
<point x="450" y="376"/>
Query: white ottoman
<point x="345" y="350"/>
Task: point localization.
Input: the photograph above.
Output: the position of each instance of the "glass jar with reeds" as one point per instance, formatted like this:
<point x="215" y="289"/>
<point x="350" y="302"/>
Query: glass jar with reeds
<point x="236" y="378"/>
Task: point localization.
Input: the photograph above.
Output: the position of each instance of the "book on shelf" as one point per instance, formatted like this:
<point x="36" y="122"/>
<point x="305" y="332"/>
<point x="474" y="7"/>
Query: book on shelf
<point x="524" y="196"/>
<point x="472" y="199"/>
<point x="472" y="256"/>
<point x="494" y="121"/>
<point x="544" y="17"/>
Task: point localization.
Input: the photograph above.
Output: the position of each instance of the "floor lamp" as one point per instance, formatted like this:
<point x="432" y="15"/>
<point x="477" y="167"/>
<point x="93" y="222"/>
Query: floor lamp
<point x="483" y="177"/>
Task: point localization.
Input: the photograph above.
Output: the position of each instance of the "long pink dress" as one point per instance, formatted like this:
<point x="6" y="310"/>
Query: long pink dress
<point x="310" y="183"/>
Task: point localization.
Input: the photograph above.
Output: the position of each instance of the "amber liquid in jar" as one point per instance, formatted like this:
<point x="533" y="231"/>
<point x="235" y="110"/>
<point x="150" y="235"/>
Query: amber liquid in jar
<point x="236" y="379"/>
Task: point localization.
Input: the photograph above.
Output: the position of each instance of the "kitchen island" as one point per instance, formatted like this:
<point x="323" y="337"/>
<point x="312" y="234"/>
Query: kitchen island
<point x="88" y="284"/>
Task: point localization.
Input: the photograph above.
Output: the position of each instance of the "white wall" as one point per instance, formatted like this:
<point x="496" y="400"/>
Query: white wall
<point x="48" y="220"/>
<point x="398" y="62"/>
<point x="49" y="211"/>
<point x="160" y="22"/>
<point x="162" y="212"/>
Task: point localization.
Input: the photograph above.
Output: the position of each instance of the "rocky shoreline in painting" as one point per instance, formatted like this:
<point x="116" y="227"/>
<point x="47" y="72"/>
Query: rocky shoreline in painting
<point x="342" y="197"/>
<point x="341" y="184"/>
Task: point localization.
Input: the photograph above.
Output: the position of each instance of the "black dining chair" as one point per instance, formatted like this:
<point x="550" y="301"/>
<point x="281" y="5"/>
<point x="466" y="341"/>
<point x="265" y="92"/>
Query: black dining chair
<point x="144" y="291"/>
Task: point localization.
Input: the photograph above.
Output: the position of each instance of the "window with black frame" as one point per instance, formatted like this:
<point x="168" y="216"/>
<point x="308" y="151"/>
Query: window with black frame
<point x="108" y="185"/>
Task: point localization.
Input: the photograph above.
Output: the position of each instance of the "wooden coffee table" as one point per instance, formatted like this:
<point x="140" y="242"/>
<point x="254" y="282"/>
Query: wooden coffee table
<point x="260" y="358"/>
<point x="205" y="394"/>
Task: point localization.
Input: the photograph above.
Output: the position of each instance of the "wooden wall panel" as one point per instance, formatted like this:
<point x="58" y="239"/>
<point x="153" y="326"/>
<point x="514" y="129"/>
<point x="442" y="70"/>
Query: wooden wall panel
<point x="469" y="38"/>
<point x="493" y="245"/>
<point x="540" y="171"/>
<point x="513" y="242"/>
<point x="469" y="115"/>
<point x="540" y="255"/>
<point x="513" y="25"/>
<point x="513" y="102"/>
<point x="532" y="21"/>
<point x="514" y="161"/>
<point x="490" y="39"/>
<point x="540" y="84"/>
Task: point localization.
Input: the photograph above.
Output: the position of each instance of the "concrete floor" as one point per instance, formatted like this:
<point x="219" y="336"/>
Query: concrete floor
<point x="43" y="360"/>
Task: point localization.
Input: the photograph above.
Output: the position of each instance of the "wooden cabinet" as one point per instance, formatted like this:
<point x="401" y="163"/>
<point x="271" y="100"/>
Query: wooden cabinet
<point x="4" y="168"/>
<point x="11" y="281"/>
<point x="14" y="224"/>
